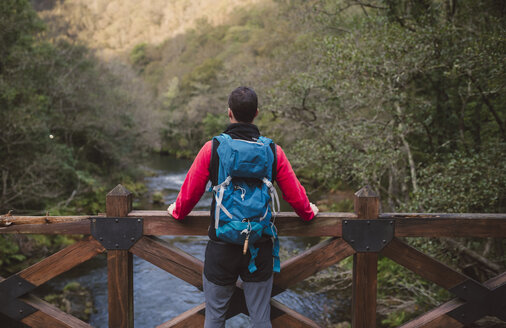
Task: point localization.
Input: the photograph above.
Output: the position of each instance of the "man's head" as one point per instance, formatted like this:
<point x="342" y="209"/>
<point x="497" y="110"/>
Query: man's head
<point x="243" y="103"/>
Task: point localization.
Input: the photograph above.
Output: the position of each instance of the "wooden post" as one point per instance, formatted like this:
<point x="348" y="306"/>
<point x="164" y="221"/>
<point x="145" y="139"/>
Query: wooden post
<point x="120" y="266"/>
<point x="365" y="266"/>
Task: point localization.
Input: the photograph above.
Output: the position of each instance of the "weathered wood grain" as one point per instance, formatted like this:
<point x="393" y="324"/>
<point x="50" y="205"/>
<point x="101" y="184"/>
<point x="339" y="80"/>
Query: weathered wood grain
<point x="77" y="227"/>
<point x="448" y="225"/>
<point x="310" y="262"/>
<point x="422" y="264"/>
<point x="365" y="266"/>
<point x="282" y="317"/>
<point x="170" y="259"/>
<point x="364" y="290"/>
<point x="50" y="316"/>
<point x="197" y="223"/>
<point x="438" y="317"/>
<point x="62" y="261"/>
<point x="189" y="319"/>
<point x="6" y="221"/>
<point x="325" y="224"/>
<point x="118" y="202"/>
<point x="120" y="266"/>
<point x="120" y="288"/>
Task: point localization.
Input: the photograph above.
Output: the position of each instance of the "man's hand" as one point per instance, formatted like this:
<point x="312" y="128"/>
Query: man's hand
<point x="314" y="208"/>
<point x="171" y="208"/>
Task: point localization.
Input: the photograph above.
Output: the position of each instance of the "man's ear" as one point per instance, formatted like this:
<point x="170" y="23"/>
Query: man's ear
<point x="256" y="114"/>
<point x="230" y="114"/>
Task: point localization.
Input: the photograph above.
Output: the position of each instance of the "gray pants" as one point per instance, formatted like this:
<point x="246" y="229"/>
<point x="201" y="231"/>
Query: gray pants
<point x="257" y="295"/>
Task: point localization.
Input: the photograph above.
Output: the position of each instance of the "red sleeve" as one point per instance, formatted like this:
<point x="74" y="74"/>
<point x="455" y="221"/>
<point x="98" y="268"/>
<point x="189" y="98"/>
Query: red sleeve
<point x="194" y="184"/>
<point x="293" y="192"/>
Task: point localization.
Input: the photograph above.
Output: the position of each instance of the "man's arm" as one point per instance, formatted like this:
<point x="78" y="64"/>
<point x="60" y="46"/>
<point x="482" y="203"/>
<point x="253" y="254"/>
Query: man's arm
<point x="293" y="192"/>
<point x="194" y="184"/>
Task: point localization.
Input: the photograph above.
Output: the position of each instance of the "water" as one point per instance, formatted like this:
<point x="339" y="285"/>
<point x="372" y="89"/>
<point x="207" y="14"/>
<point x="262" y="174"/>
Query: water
<point x="159" y="296"/>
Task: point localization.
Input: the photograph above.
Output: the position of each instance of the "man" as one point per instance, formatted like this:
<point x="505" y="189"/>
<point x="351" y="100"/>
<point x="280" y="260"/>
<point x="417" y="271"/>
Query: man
<point x="225" y="262"/>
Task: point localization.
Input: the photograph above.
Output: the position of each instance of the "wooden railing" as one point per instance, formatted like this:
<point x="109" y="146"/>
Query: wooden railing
<point x="363" y="234"/>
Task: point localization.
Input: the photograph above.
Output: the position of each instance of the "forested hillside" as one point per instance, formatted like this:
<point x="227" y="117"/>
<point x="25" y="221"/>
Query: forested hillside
<point x="407" y="96"/>
<point x="113" y="27"/>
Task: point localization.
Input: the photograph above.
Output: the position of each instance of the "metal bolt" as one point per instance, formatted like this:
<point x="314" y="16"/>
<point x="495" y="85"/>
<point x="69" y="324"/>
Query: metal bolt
<point x="117" y="245"/>
<point x="345" y="222"/>
<point x="367" y="247"/>
<point x="100" y="238"/>
<point x="138" y="220"/>
<point x="132" y="239"/>
<point x="391" y="222"/>
<point x="368" y="222"/>
<point x="384" y="241"/>
<point x="465" y="287"/>
<point x="20" y="310"/>
<point x="94" y="220"/>
<point x="352" y="240"/>
<point x="116" y="220"/>
<point x="19" y="283"/>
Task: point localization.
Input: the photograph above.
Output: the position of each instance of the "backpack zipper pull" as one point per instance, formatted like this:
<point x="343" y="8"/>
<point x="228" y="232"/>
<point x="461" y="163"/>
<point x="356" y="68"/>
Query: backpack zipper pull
<point x="246" y="242"/>
<point x="247" y="231"/>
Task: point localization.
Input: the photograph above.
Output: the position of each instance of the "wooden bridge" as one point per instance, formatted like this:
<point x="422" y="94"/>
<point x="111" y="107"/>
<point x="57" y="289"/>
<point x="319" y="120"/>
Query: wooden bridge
<point x="363" y="234"/>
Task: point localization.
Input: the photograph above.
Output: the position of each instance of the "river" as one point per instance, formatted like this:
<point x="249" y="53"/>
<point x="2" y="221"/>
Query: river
<point x="159" y="296"/>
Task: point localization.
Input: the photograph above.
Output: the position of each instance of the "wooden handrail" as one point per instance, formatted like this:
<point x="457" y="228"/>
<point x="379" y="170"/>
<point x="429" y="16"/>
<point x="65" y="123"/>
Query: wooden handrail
<point x="327" y="224"/>
<point x="296" y="269"/>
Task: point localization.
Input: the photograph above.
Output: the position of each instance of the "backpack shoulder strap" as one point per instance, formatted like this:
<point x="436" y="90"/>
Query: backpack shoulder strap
<point x="275" y="162"/>
<point x="214" y="165"/>
<point x="272" y="145"/>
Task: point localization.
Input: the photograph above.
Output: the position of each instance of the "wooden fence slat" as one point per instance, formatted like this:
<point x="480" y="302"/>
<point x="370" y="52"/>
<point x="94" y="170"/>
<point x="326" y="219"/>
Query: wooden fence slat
<point x="444" y="216"/>
<point x="328" y="224"/>
<point x="120" y="288"/>
<point x="197" y="223"/>
<point x="438" y="317"/>
<point x="61" y="261"/>
<point x="189" y="319"/>
<point x="365" y="266"/>
<point x="50" y="316"/>
<point x="364" y="290"/>
<point x="422" y="264"/>
<point x="6" y="221"/>
<point x="170" y="259"/>
<point x="77" y="227"/>
<point x="311" y="261"/>
<point x="448" y="224"/>
<point x="118" y="203"/>
<point x="283" y="316"/>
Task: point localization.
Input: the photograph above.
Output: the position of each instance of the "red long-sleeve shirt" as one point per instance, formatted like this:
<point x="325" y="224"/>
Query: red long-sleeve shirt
<point x="195" y="183"/>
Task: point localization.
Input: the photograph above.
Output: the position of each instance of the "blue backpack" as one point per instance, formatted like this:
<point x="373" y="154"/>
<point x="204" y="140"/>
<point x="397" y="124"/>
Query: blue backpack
<point x="242" y="212"/>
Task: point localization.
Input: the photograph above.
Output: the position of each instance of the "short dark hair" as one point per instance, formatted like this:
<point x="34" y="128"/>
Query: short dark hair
<point x="243" y="102"/>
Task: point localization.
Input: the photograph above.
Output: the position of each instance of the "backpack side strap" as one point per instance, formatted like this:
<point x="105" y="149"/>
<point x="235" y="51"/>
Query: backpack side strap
<point x="219" y="191"/>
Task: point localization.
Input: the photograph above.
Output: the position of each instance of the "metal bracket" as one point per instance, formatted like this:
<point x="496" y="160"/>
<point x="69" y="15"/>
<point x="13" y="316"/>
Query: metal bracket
<point x="368" y="235"/>
<point x="481" y="301"/>
<point x="116" y="233"/>
<point x="10" y="289"/>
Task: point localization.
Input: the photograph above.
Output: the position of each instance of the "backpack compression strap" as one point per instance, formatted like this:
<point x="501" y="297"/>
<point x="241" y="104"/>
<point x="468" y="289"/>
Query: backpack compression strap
<point x="272" y="231"/>
<point x="219" y="191"/>
<point x="274" y="198"/>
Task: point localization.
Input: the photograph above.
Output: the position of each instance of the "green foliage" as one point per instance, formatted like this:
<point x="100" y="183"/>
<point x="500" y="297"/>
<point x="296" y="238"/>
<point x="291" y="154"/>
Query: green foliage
<point x="72" y="286"/>
<point x="10" y="251"/>
<point x="202" y="76"/>
<point x="394" y="319"/>
<point x="68" y="122"/>
<point x="214" y="124"/>
<point x="138" y="55"/>
<point x="464" y="183"/>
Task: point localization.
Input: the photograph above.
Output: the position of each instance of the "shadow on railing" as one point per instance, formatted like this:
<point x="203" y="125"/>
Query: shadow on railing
<point x="364" y="234"/>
